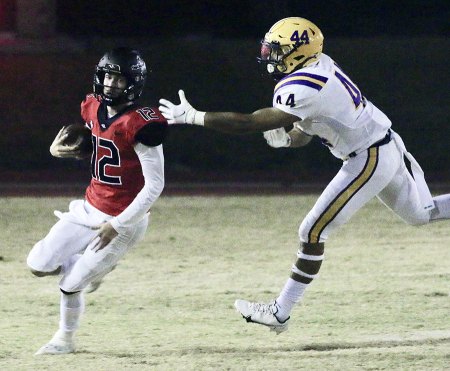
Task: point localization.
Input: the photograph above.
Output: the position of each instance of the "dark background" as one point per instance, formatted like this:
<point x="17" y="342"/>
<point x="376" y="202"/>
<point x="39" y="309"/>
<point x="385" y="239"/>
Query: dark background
<point x="250" y="19"/>
<point x="397" y="53"/>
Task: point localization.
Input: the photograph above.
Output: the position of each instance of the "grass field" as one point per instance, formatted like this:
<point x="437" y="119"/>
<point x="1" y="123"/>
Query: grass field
<point x="381" y="303"/>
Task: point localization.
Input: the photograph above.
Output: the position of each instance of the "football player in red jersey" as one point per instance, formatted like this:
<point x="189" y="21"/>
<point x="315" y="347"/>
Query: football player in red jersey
<point x="127" y="166"/>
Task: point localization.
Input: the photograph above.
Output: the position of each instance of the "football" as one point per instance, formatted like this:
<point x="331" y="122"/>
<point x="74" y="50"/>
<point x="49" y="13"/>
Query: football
<point x="78" y="133"/>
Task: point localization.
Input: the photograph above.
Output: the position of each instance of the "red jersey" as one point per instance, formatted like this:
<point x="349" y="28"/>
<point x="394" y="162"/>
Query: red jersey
<point x="116" y="171"/>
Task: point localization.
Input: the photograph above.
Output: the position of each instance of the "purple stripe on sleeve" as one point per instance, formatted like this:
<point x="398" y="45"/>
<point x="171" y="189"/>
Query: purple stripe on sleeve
<point x="301" y="82"/>
<point x="313" y="76"/>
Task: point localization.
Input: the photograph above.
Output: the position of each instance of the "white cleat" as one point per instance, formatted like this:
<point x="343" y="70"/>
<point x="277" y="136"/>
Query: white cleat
<point x="54" y="348"/>
<point x="263" y="314"/>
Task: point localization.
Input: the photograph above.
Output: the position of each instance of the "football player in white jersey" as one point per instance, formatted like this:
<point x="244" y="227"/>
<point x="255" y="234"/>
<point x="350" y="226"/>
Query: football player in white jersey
<point x="315" y="97"/>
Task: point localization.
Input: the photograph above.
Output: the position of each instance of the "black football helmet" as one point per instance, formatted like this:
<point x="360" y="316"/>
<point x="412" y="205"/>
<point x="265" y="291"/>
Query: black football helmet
<point x="123" y="61"/>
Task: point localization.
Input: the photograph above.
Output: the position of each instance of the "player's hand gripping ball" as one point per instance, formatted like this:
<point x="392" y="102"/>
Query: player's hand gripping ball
<point x="72" y="141"/>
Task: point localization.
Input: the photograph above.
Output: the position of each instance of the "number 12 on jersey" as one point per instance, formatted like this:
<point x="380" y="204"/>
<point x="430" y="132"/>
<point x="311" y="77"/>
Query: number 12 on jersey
<point x="98" y="165"/>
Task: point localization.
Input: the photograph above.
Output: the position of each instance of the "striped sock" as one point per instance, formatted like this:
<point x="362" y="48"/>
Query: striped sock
<point x="305" y="269"/>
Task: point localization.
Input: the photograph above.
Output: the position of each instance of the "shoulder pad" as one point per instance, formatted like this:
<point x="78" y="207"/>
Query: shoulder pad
<point x="153" y="134"/>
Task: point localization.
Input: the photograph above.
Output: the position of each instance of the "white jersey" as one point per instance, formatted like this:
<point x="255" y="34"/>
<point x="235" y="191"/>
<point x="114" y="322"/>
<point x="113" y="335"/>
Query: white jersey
<point x="331" y="107"/>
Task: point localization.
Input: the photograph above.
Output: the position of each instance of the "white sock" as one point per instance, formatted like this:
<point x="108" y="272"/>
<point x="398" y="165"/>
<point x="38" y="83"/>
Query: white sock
<point x="71" y="309"/>
<point x="291" y="294"/>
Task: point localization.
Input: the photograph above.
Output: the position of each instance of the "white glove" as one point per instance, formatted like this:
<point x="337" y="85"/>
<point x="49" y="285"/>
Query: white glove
<point x="277" y="138"/>
<point x="183" y="113"/>
<point x="59" y="149"/>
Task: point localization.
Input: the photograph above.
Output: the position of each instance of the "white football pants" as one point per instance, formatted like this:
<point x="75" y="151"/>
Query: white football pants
<point x="377" y="172"/>
<point x="72" y="235"/>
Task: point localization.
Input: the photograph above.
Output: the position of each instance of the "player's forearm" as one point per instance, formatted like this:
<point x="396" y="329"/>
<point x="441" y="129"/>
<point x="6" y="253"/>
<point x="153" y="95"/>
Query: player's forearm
<point x="241" y="123"/>
<point x="231" y="122"/>
<point x="140" y="205"/>
<point x="152" y="162"/>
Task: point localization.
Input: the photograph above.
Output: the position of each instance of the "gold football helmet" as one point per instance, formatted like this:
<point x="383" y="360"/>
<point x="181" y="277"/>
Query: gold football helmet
<point x="291" y="43"/>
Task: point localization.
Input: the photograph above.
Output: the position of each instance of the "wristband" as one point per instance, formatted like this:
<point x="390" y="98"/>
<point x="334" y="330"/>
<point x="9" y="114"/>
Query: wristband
<point x="199" y="118"/>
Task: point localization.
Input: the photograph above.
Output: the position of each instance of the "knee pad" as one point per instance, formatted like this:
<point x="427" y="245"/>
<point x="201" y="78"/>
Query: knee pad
<point x="308" y="231"/>
<point x="305" y="229"/>
<point x="39" y="263"/>
<point x="40" y="260"/>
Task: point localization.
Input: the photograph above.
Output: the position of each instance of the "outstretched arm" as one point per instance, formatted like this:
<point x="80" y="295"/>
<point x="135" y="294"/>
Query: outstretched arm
<point x="239" y="123"/>
<point x="228" y="122"/>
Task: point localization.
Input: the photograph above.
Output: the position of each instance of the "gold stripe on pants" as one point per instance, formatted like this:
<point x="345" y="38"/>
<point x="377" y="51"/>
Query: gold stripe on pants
<point x="344" y="196"/>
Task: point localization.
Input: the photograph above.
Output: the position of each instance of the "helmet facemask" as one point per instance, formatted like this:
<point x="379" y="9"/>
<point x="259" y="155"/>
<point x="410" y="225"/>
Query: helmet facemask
<point x="128" y="94"/>
<point x="125" y="62"/>
<point x="273" y="56"/>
